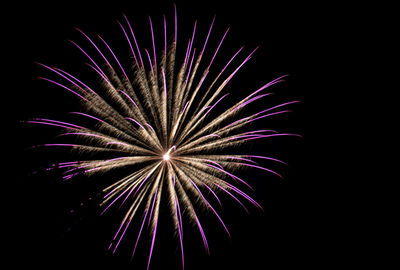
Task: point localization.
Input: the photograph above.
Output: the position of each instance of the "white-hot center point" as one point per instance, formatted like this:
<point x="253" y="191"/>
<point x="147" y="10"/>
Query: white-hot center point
<point x="166" y="156"/>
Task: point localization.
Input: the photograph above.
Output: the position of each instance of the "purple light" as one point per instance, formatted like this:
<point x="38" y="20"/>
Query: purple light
<point x="262" y="168"/>
<point x="249" y="101"/>
<point x="259" y="131"/>
<point x="202" y="233"/>
<point x="98" y="69"/>
<point x="134" y="39"/>
<point x="209" y="205"/>
<point x="277" y="80"/>
<point x="67" y="164"/>
<point x="216" y="51"/>
<point x="133" y="120"/>
<point x="151" y="65"/>
<point x="191" y="42"/>
<point x="233" y="57"/>
<point x="180" y="216"/>
<point x="244" y="195"/>
<point x="49" y="124"/>
<point x="237" y="121"/>
<point x="219" y="165"/>
<point x="277" y="106"/>
<point x="147" y="124"/>
<point x="187" y="54"/>
<point x="116" y="59"/>
<point x="140" y="232"/>
<point x="54" y="70"/>
<point x="152" y="206"/>
<point x="130" y="44"/>
<point x="180" y="230"/>
<point x="216" y="103"/>
<point x="245" y="159"/>
<point x="269" y="158"/>
<point x="213" y="193"/>
<point x="98" y="50"/>
<point x="101" y="75"/>
<point x="273" y="135"/>
<point x="184" y="108"/>
<point x="108" y="206"/>
<point x="87" y="115"/>
<point x="236" y="199"/>
<point x="238" y="68"/>
<point x="154" y="46"/>
<point x="77" y="168"/>
<point x="67" y="177"/>
<point x="63" y="86"/>
<point x="59" y="122"/>
<point x="66" y="73"/>
<point x="190" y="66"/>
<point x="231" y="175"/>
<point x="208" y="35"/>
<point x="122" y="235"/>
<point x="152" y="243"/>
<point x="61" y="144"/>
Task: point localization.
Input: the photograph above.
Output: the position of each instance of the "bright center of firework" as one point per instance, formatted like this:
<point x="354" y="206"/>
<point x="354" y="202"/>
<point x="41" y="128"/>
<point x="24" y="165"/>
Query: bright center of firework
<point x="166" y="156"/>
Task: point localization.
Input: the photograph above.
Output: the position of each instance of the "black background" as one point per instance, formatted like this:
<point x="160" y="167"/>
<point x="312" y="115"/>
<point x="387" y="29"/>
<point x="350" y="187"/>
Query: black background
<point x="297" y="227"/>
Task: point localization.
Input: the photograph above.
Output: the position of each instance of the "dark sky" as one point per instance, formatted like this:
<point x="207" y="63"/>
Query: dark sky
<point x="56" y="224"/>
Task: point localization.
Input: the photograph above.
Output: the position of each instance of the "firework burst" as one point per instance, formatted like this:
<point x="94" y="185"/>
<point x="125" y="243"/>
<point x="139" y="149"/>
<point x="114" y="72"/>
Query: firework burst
<point x="154" y="120"/>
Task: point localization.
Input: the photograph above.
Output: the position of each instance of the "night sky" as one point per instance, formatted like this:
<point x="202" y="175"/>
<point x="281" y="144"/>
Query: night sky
<point x="58" y="224"/>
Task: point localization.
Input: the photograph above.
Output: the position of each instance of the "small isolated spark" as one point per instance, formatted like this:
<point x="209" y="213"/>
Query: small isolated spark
<point x="156" y="120"/>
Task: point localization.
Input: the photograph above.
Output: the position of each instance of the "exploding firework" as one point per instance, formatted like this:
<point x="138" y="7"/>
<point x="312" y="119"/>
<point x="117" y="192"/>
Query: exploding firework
<point x="154" y="120"/>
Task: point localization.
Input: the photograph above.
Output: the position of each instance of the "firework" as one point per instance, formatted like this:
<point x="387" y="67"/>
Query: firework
<point x="155" y="121"/>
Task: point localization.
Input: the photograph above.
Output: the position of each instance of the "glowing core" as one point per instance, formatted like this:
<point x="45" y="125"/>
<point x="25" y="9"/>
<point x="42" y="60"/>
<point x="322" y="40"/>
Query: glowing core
<point x="166" y="156"/>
